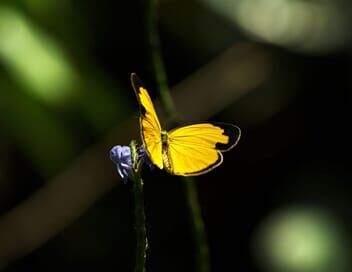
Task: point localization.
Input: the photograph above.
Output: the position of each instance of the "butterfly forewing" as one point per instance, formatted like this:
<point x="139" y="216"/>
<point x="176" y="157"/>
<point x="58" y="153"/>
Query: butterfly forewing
<point x="149" y="123"/>
<point x="195" y="149"/>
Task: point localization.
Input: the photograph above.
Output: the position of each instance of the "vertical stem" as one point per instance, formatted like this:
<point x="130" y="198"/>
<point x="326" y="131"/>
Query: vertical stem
<point x="157" y="60"/>
<point x="141" y="235"/>
<point x="201" y="244"/>
<point x="199" y="231"/>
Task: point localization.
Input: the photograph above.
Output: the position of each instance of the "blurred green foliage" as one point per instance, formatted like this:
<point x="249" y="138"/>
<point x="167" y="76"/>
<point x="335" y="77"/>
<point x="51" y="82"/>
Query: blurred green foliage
<point x="45" y="98"/>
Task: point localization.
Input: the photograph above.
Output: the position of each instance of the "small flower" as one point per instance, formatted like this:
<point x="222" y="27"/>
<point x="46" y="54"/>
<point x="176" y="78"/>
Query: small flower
<point x="121" y="156"/>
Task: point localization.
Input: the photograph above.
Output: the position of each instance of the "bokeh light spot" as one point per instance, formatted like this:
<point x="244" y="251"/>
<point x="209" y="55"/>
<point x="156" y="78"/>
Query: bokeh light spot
<point x="301" y="240"/>
<point x="301" y="25"/>
<point x="33" y="58"/>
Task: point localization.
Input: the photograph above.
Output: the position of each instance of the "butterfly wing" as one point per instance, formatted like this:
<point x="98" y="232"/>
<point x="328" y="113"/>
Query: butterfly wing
<point x="196" y="149"/>
<point x="149" y="123"/>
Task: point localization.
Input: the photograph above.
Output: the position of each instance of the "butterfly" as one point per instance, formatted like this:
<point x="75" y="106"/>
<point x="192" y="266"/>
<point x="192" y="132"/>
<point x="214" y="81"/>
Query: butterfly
<point x="185" y="151"/>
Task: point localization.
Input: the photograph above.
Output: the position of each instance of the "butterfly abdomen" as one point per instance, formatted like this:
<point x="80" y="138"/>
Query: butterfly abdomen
<point x="165" y="147"/>
<point x="166" y="161"/>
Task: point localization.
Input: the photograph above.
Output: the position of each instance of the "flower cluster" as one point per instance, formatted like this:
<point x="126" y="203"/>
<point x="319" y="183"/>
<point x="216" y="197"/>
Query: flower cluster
<point x="121" y="156"/>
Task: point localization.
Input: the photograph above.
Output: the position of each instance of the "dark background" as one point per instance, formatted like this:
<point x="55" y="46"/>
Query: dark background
<point x="281" y="199"/>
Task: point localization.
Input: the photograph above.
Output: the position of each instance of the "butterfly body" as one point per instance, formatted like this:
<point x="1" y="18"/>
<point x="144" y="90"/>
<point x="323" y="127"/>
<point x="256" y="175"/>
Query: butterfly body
<point x="164" y="138"/>
<point x="186" y="151"/>
<point x="164" y="146"/>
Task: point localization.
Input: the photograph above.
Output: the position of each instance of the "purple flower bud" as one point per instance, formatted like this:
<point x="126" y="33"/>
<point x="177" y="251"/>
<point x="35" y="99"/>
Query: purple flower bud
<point x="121" y="156"/>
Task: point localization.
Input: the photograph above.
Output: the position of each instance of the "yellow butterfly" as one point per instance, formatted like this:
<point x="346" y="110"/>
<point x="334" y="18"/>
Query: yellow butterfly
<point x="185" y="151"/>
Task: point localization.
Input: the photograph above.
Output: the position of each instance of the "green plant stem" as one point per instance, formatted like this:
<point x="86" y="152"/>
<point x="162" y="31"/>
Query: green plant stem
<point x="201" y="244"/>
<point x="157" y="60"/>
<point x="141" y="235"/>
<point x="199" y="231"/>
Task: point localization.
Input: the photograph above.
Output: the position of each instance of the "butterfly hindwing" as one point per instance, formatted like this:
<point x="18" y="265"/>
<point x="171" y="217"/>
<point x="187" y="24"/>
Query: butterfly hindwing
<point x="196" y="149"/>
<point x="149" y="123"/>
